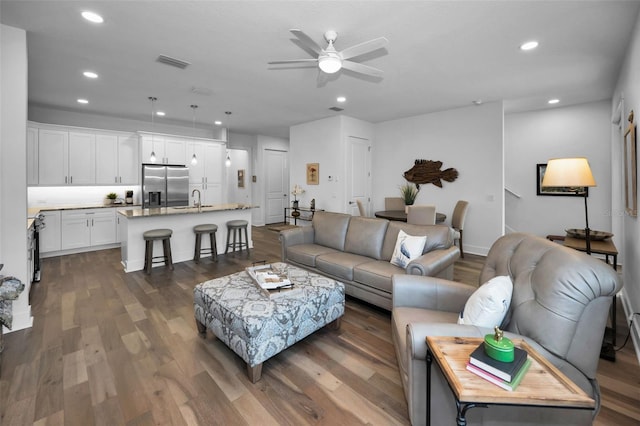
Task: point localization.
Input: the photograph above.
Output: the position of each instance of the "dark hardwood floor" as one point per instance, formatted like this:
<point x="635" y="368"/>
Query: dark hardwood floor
<point x="122" y="349"/>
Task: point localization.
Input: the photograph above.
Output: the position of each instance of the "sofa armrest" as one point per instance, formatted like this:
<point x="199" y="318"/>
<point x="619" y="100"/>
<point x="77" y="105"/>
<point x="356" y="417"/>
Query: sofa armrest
<point x="417" y="333"/>
<point x="295" y="236"/>
<point x="429" y="293"/>
<point x="433" y="262"/>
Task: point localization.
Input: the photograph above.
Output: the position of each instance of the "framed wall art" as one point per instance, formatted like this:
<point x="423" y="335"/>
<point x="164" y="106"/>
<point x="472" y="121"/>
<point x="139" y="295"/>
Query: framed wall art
<point x="241" y="178"/>
<point x="568" y="191"/>
<point x="313" y="173"/>
<point x="630" y="169"/>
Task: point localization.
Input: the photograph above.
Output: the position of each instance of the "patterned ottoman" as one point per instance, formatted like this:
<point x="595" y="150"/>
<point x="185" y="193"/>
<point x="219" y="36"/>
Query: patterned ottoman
<point x="256" y="326"/>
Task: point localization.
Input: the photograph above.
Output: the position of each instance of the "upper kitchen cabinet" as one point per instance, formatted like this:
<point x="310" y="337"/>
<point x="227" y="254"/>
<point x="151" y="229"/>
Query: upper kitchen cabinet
<point x="206" y="175"/>
<point x="167" y="149"/>
<point x="53" y="157"/>
<point x="82" y="158"/>
<point x="32" y="156"/>
<point x="116" y="159"/>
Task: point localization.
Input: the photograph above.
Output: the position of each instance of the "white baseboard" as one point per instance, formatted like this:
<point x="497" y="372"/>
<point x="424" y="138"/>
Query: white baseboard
<point x="635" y="331"/>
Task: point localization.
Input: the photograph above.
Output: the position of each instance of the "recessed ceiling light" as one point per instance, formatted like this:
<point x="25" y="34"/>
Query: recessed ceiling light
<point x="90" y="74"/>
<point x="217" y="123"/>
<point x="477" y="102"/>
<point x="553" y="101"/>
<point x="529" y="45"/>
<point x="341" y="99"/>
<point x="160" y="113"/>
<point x="83" y="101"/>
<point x="92" y="17"/>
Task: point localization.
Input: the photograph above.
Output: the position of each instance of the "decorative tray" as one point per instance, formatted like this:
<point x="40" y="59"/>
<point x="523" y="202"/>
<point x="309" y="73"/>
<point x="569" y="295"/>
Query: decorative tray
<point x="593" y="235"/>
<point x="268" y="277"/>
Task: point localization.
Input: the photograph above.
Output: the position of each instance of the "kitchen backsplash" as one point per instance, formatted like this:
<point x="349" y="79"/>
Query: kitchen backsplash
<point x="39" y="196"/>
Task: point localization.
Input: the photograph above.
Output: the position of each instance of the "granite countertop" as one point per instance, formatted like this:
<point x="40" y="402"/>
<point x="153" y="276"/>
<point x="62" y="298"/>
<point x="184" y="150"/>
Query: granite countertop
<point x="33" y="211"/>
<point x="164" y="211"/>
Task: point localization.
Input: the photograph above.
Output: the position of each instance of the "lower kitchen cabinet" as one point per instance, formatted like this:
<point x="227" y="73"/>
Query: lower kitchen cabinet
<point x="87" y="228"/>
<point x="50" y="234"/>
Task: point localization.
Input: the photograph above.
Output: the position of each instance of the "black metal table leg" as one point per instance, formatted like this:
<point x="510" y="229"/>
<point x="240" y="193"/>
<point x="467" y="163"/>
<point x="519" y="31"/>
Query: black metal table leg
<point x="429" y="359"/>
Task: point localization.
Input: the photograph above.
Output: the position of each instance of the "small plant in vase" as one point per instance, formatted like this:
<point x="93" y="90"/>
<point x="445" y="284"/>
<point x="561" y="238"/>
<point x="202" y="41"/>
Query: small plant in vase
<point x="297" y="190"/>
<point x="110" y="198"/>
<point x="409" y="192"/>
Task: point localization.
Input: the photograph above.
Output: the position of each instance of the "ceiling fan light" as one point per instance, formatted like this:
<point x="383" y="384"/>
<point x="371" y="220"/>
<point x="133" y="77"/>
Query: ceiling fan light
<point x="330" y="64"/>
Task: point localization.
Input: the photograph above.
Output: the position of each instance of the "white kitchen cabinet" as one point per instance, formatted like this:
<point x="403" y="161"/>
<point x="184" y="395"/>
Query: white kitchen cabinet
<point x="128" y="163"/>
<point x="117" y="159"/>
<point x="87" y="227"/>
<point x="32" y="156"/>
<point x="53" y="157"/>
<point x="82" y="158"/>
<point x="106" y="159"/>
<point x="206" y="175"/>
<point x="50" y="234"/>
<point x="168" y="150"/>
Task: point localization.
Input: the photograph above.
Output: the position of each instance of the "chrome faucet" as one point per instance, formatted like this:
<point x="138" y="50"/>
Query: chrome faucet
<point x="198" y="203"/>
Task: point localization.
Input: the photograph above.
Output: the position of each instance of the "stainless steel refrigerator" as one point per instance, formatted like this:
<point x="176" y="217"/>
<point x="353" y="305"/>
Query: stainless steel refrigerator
<point x="164" y="185"/>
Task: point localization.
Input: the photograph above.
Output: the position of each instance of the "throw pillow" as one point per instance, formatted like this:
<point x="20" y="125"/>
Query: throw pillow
<point x="489" y="304"/>
<point x="408" y="247"/>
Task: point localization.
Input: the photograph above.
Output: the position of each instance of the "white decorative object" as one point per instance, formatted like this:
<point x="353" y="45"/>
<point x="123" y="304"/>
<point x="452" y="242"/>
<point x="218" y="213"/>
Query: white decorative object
<point x="489" y="304"/>
<point x="408" y="247"/>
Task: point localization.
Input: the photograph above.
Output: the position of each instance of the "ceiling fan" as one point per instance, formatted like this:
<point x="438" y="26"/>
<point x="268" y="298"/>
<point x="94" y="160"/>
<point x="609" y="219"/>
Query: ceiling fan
<point x="331" y="61"/>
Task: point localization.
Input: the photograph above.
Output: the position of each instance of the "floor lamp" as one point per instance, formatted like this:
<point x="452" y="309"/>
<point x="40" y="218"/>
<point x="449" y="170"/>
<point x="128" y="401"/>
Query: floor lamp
<point x="573" y="173"/>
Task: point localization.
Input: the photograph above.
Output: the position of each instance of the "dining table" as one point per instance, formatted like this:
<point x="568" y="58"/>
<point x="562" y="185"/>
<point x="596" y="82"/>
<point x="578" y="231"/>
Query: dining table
<point x="401" y="215"/>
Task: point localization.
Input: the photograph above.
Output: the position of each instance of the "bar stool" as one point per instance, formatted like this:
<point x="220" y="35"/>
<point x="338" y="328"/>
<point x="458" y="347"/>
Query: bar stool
<point x="207" y="228"/>
<point x="153" y="235"/>
<point x="235" y="227"/>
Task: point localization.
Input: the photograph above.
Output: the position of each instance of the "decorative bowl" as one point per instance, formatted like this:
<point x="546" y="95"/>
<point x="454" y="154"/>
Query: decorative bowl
<point x="593" y="235"/>
<point x="500" y="350"/>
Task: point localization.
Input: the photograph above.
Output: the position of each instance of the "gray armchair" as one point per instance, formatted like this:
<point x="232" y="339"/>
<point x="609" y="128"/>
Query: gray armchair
<point x="561" y="299"/>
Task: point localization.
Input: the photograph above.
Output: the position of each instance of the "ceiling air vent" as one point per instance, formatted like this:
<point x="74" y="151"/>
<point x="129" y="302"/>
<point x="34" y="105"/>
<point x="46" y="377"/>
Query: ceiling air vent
<point x="168" y="60"/>
<point x="336" y="109"/>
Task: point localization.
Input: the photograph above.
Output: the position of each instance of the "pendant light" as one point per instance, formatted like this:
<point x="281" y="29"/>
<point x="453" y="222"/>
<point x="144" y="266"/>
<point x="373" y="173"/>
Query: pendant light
<point x="152" y="158"/>
<point x="194" y="159"/>
<point x="227" y="162"/>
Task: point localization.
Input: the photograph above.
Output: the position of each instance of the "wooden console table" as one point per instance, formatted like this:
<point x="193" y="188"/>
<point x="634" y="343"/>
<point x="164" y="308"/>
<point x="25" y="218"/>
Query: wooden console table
<point x="543" y="385"/>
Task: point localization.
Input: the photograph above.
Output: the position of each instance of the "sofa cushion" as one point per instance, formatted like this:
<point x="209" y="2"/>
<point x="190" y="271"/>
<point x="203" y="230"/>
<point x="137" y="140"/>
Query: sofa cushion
<point x="305" y="254"/>
<point x="489" y="304"/>
<point x="438" y="237"/>
<point x="376" y="274"/>
<point x="331" y="229"/>
<point x="340" y="265"/>
<point x="365" y="236"/>
<point x="408" y="247"/>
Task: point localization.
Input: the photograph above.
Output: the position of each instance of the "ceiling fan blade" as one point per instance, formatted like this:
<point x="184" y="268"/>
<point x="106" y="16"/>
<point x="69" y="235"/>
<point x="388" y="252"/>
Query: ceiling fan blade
<point x="362" y="48"/>
<point x="292" y="61"/>
<point x="362" y="69"/>
<point x="307" y="41"/>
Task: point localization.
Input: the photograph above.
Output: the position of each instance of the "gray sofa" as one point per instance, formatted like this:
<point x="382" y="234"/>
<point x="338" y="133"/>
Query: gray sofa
<point x="561" y="298"/>
<point x="356" y="251"/>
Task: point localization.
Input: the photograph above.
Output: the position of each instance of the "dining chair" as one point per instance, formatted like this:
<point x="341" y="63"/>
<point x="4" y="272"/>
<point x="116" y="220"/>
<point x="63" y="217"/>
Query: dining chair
<point x="363" y="212"/>
<point x="393" y="203"/>
<point x="421" y="215"/>
<point x="457" y="222"/>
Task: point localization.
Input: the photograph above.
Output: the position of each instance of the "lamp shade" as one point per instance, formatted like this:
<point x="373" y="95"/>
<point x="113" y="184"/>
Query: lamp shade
<point x="568" y="172"/>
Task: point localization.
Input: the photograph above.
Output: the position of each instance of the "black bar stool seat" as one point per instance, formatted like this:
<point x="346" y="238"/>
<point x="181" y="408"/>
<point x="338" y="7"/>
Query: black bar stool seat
<point x="150" y="236"/>
<point x="235" y="227"/>
<point x="205" y="228"/>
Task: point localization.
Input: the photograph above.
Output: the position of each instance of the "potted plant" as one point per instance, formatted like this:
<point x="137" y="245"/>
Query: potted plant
<point x="110" y="198"/>
<point x="409" y="192"/>
<point x="297" y="190"/>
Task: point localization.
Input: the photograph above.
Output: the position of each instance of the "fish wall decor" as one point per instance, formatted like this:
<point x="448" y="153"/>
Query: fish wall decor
<point x="428" y="171"/>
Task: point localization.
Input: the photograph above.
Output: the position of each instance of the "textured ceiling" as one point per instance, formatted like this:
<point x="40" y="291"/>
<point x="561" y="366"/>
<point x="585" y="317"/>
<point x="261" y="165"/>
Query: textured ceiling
<point x="440" y="55"/>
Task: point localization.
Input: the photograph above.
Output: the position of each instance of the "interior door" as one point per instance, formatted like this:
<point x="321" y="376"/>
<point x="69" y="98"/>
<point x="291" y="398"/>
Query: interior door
<point x="277" y="185"/>
<point x="358" y="174"/>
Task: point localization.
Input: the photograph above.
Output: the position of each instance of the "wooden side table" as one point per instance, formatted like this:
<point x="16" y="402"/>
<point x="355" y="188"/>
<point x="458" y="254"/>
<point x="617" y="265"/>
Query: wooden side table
<point x="543" y="385"/>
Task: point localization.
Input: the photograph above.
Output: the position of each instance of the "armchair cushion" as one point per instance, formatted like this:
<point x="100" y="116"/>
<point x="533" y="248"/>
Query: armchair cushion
<point x="489" y="304"/>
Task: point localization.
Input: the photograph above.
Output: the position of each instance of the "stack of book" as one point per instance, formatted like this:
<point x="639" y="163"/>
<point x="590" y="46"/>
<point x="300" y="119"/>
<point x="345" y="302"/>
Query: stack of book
<point x="507" y="375"/>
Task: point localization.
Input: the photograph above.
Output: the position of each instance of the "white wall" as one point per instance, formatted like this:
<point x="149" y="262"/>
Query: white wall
<point x="13" y="162"/>
<point x="469" y="140"/>
<point x="628" y="88"/>
<point x="318" y="142"/>
<point x="239" y="161"/>
<point x="535" y="137"/>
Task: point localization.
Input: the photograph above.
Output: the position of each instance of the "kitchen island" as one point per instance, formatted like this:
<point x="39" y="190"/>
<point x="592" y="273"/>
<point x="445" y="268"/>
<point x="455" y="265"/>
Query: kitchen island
<point x="181" y="221"/>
